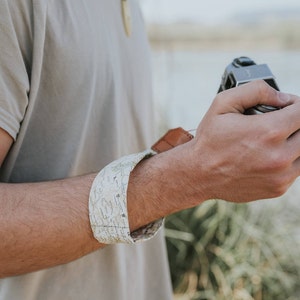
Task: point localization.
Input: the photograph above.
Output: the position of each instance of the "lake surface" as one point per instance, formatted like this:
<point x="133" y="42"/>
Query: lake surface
<point x="185" y="83"/>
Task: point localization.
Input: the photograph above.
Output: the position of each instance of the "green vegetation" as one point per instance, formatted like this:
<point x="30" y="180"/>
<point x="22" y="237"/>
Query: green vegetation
<point x="221" y="251"/>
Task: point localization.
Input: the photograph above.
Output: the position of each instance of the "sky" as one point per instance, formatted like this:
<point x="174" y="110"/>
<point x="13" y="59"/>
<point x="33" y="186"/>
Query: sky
<point x="208" y="11"/>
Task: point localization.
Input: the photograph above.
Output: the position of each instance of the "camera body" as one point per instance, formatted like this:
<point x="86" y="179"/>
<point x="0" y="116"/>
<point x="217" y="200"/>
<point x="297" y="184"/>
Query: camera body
<point x="242" y="70"/>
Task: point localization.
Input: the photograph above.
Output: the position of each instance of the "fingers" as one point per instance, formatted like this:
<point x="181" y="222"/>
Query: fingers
<point x="283" y="122"/>
<point x="291" y="154"/>
<point x="248" y="95"/>
<point x="293" y="146"/>
<point x="286" y="120"/>
<point x="239" y="150"/>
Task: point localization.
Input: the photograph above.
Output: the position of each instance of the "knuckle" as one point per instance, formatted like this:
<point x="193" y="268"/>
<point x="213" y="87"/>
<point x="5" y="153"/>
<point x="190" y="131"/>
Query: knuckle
<point x="281" y="162"/>
<point x="280" y="185"/>
<point x="219" y="98"/>
<point x="264" y="90"/>
<point x="277" y="163"/>
<point x="281" y="180"/>
<point x="273" y="134"/>
<point x="278" y="172"/>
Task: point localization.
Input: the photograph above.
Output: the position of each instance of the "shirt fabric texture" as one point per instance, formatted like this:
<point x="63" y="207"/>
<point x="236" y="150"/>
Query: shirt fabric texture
<point x="75" y="94"/>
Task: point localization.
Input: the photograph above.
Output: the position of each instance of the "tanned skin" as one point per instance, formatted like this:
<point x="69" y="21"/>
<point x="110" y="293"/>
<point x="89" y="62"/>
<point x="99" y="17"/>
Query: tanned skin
<point x="47" y="224"/>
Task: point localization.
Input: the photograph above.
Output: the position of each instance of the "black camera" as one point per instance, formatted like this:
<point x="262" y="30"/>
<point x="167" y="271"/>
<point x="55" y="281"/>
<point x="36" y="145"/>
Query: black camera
<point x="242" y="70"/>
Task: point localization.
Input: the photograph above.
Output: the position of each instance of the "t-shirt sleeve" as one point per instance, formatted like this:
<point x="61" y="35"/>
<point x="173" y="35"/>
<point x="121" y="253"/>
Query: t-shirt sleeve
<point x="14" y="75"/>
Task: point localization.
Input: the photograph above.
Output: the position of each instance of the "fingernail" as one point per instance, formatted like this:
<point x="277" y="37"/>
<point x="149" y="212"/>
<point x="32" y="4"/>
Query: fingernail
<point x="284" y="97"/>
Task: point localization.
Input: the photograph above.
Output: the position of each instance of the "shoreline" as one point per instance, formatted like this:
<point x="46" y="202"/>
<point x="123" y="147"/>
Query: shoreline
<point x="189" y="36"/>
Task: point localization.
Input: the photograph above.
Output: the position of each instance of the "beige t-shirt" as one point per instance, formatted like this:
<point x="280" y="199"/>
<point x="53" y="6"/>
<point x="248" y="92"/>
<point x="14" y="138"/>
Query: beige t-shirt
<point x="75" y="94"/>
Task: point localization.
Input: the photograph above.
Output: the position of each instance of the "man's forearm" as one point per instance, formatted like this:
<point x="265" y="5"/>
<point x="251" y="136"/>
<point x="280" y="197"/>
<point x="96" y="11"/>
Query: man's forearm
<point x="44" y="224"/>
<point x="47" y="224"/>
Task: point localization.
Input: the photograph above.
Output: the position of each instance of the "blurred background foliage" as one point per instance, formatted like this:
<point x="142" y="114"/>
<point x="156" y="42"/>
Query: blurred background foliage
<point x="221" y="251"/>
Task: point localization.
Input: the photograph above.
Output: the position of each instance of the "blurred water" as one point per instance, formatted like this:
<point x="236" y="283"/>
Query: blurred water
<point x="186" y="82"/>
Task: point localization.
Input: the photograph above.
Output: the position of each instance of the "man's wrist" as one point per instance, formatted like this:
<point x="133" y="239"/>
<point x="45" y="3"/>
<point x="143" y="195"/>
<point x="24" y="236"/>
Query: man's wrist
<point x="108" y="203"/>
<point x="108" y="196"/>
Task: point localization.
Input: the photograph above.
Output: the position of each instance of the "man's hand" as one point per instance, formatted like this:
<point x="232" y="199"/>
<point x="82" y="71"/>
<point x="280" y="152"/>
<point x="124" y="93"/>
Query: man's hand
<point x="234" y="157"/>
<point x="248" y="157"/>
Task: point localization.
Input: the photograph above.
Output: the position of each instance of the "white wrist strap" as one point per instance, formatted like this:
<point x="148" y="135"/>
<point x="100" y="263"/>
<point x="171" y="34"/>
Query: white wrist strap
<point x="108" y="203"/>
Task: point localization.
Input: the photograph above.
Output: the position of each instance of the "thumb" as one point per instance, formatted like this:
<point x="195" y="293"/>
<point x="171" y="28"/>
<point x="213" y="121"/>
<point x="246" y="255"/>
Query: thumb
<point x="238" y="99"/>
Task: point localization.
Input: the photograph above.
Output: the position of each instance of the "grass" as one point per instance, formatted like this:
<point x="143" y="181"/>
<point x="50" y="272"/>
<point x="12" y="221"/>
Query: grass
<point x="221" y="251"/>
